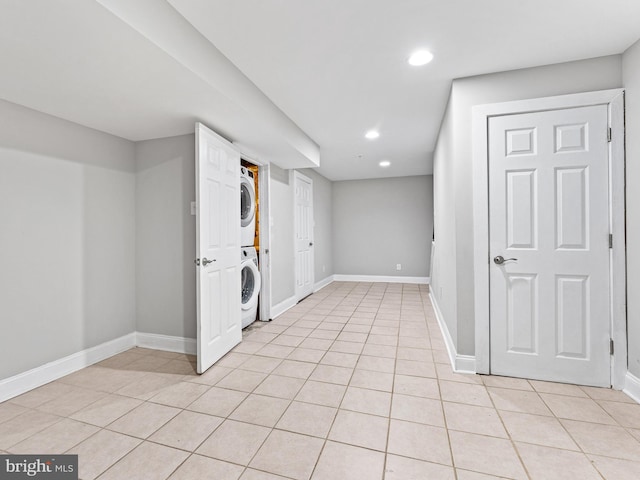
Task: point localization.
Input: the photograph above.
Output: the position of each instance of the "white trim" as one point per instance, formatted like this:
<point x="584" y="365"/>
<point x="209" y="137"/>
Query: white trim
<point x="481" y="114"/>
<point x="36" y="377"/>
<point x="618" y="252"/>
<point x="380" y="278"/>
<point x="249" y="156"/>
<point x="264" y="183"/>
<point x="322" y="283"/>
<point x="283" y="306"/>
<point x="168" y="343"/>
<point x="459" y="363"/>
<point x="632" y="386"/>
<point x="465" y="364"/>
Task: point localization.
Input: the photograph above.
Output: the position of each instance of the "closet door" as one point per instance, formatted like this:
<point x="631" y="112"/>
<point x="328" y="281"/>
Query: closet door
<point x="303" y="208"/>
<point x="217" y="246"/>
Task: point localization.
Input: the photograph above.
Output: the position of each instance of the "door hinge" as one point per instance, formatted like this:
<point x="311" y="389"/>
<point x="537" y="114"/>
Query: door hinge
<point x="609" y="134"/>
<point x="611" y="240"/>
<point x="197" y="262"/>
<point x="611" y="346"/>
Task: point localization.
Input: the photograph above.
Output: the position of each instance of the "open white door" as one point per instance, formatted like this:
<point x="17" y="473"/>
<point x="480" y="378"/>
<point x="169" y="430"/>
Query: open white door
<point x="217" y="246"/>
<point x="549" y="245"/>
<point x="303" y="212"/>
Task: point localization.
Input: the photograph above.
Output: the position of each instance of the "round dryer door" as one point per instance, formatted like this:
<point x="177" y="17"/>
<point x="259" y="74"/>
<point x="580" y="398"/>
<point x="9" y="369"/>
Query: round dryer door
<point x="250" y="284"/>
<point x="247" y="201"/>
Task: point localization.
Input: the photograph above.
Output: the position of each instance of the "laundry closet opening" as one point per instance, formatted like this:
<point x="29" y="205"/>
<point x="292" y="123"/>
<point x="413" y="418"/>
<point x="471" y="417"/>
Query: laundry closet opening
<point x="254" y="242"/>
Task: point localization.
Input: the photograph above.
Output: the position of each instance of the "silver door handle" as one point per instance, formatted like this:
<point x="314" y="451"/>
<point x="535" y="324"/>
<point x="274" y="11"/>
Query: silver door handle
<point x="206" y="262"/>
<point x="499" y="260"/>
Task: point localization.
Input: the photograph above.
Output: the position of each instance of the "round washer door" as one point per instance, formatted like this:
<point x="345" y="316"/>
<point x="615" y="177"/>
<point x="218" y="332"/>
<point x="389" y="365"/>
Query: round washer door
<point x="250" y="276"/>
<point x="247" y="201"/>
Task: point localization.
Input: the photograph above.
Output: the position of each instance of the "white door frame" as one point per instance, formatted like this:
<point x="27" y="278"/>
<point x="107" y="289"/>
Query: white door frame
<point x="264" y="184"/>
<point x="294" y="176"/>
<point x="614" y="99"/>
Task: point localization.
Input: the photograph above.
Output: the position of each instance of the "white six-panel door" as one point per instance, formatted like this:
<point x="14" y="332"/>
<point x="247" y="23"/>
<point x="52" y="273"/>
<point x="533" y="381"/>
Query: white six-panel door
<point x="217" y="246"/>
<point x="303" y="211"/>
<point x="549" y="212"/>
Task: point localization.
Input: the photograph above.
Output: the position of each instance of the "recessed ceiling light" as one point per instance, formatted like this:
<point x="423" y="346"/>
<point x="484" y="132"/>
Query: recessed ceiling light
<point x="421" y="57"/>
<point x="384" y="163"/>
<point x="371" y="134"/>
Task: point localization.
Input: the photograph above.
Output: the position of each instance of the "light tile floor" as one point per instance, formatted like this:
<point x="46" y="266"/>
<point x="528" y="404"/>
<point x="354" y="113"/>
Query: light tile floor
<point x="352" y="383"/>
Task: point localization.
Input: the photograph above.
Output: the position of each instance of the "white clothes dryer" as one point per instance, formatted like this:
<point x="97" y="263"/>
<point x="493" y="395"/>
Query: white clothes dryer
<point x="250" y="284"/>
<point x="247" y="208"/>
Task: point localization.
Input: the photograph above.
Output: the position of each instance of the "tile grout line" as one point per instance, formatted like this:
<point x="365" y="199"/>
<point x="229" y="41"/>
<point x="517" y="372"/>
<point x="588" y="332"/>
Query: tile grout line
<point x="326" y="439"/>
<point x="446" y="425"/>
<point x="344" y="301"/>
<point x="511" y="440"/>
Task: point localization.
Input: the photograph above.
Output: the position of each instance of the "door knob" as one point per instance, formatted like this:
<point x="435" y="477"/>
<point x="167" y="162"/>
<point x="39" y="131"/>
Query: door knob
<point x="206" y="262"/>
<point x="499" y="260"/>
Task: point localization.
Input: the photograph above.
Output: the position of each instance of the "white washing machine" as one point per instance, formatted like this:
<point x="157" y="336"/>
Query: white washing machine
<point x="247" y="208"/>
<point x="250" y="281"/>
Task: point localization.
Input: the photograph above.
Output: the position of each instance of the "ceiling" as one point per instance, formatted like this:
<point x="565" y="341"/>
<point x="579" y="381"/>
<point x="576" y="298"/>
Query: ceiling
<point x="336" y="68"/>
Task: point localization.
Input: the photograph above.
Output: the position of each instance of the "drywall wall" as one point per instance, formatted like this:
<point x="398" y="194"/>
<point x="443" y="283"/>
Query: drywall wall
<point x="631" y="82"/>
<point x="282" y="225"/>
<point x="67" y="214"/>
<point x="282" y="259"/>
<point x="383" y="222"/>
<point x="573" y="77"/>
<point x="443" y="268"/>
<point x="165" y="236"/>
<point x="323" y="224"/>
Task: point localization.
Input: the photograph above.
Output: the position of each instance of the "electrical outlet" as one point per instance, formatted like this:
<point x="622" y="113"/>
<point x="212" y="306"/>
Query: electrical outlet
<point x="399" y="266"/>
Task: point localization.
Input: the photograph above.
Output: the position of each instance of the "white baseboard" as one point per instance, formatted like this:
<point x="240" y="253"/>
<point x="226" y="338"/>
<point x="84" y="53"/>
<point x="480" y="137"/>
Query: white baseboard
<point x="322" y="283"/>
<point x="465" y="364"/>
<point x="380" y="278"/>
<point x="280" y="308"/>
<point x="167" y="343"/>
<point x="36" y="377"/>
<point x="448" y="341"/>
<point x="632" y="386"/>
<point x="459" y="363"/>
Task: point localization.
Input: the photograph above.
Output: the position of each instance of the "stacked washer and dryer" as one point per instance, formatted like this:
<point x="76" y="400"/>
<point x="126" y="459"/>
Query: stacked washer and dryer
<point x="250" y="283"/>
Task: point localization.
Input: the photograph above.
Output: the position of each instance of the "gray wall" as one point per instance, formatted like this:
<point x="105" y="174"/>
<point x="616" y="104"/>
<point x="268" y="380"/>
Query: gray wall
<point x="453" y="167"/>
<point x="631" y="80"/>
<point x="282" y="225"/>
<point x="166" y="236"/>
<point x="323" y="224"/>
<point x="382" y="222"/>
<point x="67" y="236"/>
<point x="443" y="273"/>
<point x="282" y="255"/>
